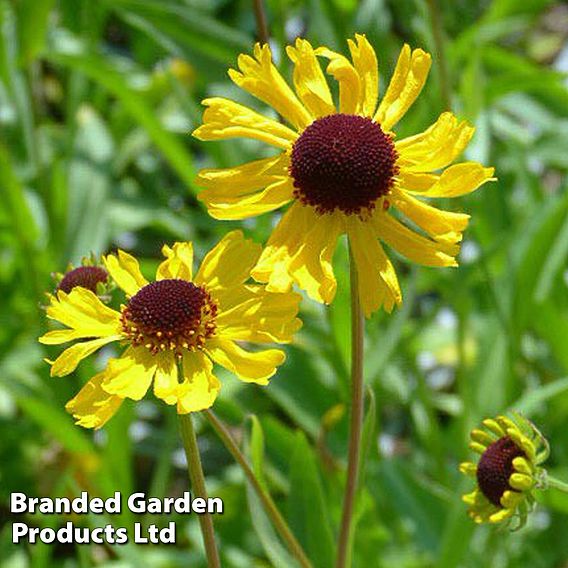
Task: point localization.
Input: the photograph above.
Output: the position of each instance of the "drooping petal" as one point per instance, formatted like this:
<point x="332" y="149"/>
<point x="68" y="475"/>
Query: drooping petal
<point x="437" y="146"/>
<point x="456" y="180"/>
<point x="274" y="196"/>
<point x="130" y="375"/>
<point x="365" y="63"/>
<point x="68" y="360"/>
<point x="406" y="83"/>
<point x="178" y="263"/>
<point x="225" y="119"/>
<point x="345" y="74"/>
<point x="166" y="378"/>
<point x="260" y="316"/>
<point x="413" y="246"/>
<point x="83" y="312"/>
<point x="249" y="367"/>
<point x="260" y="78"/>
<point x="311" y="266"/>
<point x="228" y="263"/>
<point x="309" y="80"/>
<point x="442" y="226"/>
<point x="125" y="271"/>
<point x="92" y="407"/>
<point x="300" y="249"/>
<point x="200" y="387"/>
<point x="378" y="283"/>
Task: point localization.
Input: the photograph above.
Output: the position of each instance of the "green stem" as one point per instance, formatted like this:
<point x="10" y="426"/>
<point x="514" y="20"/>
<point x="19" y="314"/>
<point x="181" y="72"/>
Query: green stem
<point x="438" y="33"/>
<point x="198" y="487"/>
<point x="552" y="482"/>
<point x="269" y="505"/>
<point x="357" y="405"/>
<point x="261" y="25"/>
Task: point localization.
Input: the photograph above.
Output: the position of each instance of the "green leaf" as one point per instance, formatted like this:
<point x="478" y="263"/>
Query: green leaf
<point x="101" y="70"/>
<point x="541" y="255"/>
<point x="33" y="20"/>
<point x="57" y="422"/>
<point x="271" y="544"/>
<point x="307" y="507"/>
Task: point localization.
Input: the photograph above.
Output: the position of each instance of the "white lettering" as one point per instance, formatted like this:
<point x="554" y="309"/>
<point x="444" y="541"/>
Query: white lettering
<point x="18" y="503"/>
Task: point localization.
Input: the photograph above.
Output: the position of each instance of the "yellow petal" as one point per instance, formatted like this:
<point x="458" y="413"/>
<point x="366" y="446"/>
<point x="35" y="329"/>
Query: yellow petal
<point x="523" y="465"/>
<point x="131" y="375"/>
<point x="245" y="178"/>
<point x="501" y="515"/>
<point x="249" y="367"/>
<point x="276" y="195"/>
<point x="365" y="63"/>
<point x="477" y="447"/>
<point x="178" y="263"/>
<point x="454" y="181"/>
<point x="412" y="245"/>
<point x="468" y="468"/>
<point x="92" y="407"/>
<point x="166" y="378"/>
<point x="229" y="262"/>
<point x="260" y="77"/>
<point x="225" y="119"/>
<point x="494" y="426"/>
<point x="482" y="437"/>
<point x="301" y="249"/>
<point x="284" y="242"/>
<point x="84" y="313"/>
<point x="68" y="360"/>
<point x="378" y="283"/>
<point x="311" y="265"/>
<point x="443" y="226"/>
<point x="436" y="147"/>
<point x="345" y="74"/>
<point x="511" y="499"/>
<point x="418" y="182"/>
<point x="407" y="81"/>
<point x="309" y="80"/>
<point x="260" y="316"/>
<point x="125" y="271"/>
<point x="200" y="387"/>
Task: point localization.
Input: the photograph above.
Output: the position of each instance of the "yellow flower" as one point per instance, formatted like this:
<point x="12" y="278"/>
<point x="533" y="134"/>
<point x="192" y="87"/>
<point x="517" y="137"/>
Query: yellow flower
<point x="508" y="470"/>
<point x="342" y="169"/>
<point x="174" y="329"/>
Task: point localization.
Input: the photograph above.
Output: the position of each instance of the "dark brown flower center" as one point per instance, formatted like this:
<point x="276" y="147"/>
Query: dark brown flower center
<point x="84" y="276"/>
<point x="495" y="468"/>
<point x="170" y="314"/>
<point x="343" y="161"/>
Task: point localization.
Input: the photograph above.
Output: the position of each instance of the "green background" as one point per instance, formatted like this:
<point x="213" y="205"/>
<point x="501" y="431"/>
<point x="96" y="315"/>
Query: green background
<point x="97" y="100"/>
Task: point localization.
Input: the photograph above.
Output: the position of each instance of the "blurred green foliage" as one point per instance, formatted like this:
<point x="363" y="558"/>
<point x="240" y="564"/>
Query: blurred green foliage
<point x="97" y="100"/>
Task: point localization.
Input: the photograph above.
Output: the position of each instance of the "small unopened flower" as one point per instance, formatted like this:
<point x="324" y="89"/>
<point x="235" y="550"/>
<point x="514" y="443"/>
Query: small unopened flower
<point x="340" y="169"/>
<point x="90" y="275"/>
<point x="508" y="470"/>
<point x="173" y="328"/>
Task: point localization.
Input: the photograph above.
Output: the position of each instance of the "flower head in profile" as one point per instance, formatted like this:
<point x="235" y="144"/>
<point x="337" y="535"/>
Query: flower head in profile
<point x="90" y="274"/>
<point x="511" y="451"/>
<point x="341" y="169"/>
<point x="173" y="329"/>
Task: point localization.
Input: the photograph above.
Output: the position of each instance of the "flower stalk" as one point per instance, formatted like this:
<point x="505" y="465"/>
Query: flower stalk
<point x="356" y="425"/>
<point x="198" y="487"/>
<point x="269" y="506"/>
<point x="553" y="483"/>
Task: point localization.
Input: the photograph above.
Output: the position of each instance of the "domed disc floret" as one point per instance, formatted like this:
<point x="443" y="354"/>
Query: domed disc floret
<point x="344" y="162"/>
<point x="495" y="468"/>
<point x="84" y="276"/>
<point x="170" y="314"/>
